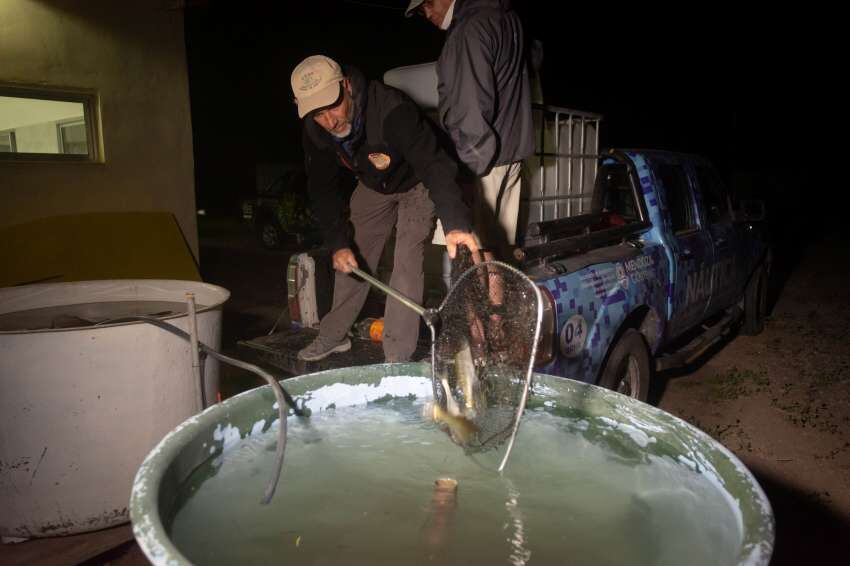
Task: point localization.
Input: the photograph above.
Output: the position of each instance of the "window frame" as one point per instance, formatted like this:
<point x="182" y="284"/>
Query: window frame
<point x="60" y="127"/>
<point x="90" y="100"/>
<point x="12" y="143"/>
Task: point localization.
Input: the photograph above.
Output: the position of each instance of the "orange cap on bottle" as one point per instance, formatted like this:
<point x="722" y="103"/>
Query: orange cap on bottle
<point x="376" y="330"/>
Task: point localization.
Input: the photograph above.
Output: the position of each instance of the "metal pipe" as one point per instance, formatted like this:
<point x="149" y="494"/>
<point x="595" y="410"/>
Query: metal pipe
<point x="577" y="155"/>
<point x="561" y="197"/>
<point x="581" y="165"/>
<point x="200" y="396"/>
<point x="570" y="169"/>
<point x="409" y="303"/>
<point x="557" y="161"/>
<point x="283" y="398"/>
<point x="541" y="164"/>
<point x="578" y="113"/>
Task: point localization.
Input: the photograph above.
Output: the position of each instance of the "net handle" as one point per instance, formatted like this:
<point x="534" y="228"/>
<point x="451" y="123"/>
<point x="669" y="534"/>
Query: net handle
<point x="430" y="316"/>
<point x="406" y="301"/>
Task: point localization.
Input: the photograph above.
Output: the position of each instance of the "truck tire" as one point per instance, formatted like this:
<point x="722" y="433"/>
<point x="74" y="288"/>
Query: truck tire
<point x="755" y="304"/>
<point x="627" y="369"/>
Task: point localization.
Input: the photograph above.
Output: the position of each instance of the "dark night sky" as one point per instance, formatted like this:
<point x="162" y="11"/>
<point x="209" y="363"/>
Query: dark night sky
<point x="672" y="80"/>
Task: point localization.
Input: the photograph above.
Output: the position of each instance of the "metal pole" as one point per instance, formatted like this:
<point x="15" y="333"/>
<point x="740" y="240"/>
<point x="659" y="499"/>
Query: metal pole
<point x="570" y="171"/>
<point x="196" y="358"/>
<point x="581" y="166"/>
<point x="541" y="163"/>
<point x="409" y="303"/>
<point x="557" y="160"/>
<point x="595" y="150"/>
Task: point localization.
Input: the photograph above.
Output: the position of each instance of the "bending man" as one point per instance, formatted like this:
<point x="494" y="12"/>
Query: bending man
<point x="377" y="134"/>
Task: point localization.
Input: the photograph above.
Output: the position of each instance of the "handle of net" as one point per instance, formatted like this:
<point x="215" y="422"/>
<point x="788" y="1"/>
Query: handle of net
<point x="406" y="301"/>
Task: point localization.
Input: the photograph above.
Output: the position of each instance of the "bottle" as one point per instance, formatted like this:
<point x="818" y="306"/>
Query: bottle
<point x="369" y="329"/>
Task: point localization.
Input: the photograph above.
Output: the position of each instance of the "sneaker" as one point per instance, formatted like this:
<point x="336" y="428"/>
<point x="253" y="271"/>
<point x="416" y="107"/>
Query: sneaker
<point x="321" y="348"/>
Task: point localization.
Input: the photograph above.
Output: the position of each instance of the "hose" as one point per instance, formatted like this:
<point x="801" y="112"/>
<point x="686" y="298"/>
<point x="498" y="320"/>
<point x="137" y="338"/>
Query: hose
<point x="283" y="398"/>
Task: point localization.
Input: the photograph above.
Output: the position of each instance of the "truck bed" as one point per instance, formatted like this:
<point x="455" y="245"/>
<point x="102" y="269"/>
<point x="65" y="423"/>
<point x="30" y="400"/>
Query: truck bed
<point x="281" y="351"/>
<point x="557" y="239"/>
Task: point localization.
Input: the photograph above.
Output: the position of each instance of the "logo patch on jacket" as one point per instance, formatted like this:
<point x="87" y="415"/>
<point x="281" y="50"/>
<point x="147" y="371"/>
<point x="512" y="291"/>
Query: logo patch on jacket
<point x="381" y="161"/>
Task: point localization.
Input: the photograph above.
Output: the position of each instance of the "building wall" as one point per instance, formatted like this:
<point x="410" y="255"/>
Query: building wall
<point x="133" y="55"/>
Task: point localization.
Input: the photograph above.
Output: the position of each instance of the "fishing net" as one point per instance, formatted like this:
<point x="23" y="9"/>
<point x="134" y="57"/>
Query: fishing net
<point x="483" y="353"/>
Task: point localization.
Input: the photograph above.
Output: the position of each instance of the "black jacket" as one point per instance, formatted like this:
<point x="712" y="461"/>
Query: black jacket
<point x="484" y="87"/>
<point x="394" y="126"/>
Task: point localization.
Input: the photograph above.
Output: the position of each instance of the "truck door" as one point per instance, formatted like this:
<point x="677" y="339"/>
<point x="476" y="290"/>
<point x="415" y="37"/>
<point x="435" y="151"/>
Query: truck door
<point x="717" y="218"/>
<point x="690" y="249"/>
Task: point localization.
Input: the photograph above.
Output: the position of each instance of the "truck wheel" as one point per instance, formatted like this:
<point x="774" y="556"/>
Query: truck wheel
<point x="627" y="370"/>
<point x="270" y="235"/>
<point x="755" y="304"/>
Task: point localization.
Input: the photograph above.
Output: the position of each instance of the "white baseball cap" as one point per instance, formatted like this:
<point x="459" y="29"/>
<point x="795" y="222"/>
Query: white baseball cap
<point x="316" y="83"/>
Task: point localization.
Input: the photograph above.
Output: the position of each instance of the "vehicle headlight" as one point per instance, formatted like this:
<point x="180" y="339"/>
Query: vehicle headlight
<point x="546" y="341"/>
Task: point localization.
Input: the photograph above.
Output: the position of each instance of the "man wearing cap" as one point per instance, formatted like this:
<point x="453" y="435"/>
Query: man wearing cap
<point x="485" y="105"/>
<point x="379" y="135"/>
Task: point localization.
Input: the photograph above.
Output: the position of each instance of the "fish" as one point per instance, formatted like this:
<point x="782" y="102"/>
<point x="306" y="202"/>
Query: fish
<point x="451" y="404"/>
<point x="441" y="513"/>
<point x="460" y="429"/>
<point x="468" y="381"/>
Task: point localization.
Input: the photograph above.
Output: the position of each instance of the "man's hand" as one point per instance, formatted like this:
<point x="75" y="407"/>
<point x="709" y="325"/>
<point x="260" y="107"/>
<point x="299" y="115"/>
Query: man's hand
<point x="456" y="238"/>
<point x="344" y="260"/>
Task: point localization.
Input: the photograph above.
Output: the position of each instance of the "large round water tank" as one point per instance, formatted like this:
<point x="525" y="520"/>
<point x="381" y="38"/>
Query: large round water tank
<point x="82" y="400"/>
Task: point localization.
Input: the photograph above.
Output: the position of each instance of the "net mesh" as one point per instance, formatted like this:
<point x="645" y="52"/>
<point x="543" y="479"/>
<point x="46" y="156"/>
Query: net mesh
<point x="483" y="352"/>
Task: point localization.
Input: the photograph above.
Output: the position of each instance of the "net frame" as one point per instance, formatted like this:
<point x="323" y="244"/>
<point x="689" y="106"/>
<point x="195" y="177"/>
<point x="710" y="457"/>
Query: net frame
<point x="487" y="266"/>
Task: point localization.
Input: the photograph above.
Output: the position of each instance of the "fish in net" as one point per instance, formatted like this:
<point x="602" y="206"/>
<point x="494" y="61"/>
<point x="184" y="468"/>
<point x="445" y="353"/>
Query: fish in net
<point x="483" y="343"/>
<point x="483" y="354"/>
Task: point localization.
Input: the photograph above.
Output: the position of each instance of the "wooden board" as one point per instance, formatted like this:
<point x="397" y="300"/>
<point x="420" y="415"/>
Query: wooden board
<point x="72" y="549"/>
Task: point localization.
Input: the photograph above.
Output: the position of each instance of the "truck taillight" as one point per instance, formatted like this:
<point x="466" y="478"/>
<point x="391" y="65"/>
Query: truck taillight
<point x="301" y="290"/>
<point x="546" y="342"/>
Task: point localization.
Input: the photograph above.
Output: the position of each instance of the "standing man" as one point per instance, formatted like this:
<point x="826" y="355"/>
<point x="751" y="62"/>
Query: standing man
<point x="485" y="105"/>
<point x="379" y="135"/>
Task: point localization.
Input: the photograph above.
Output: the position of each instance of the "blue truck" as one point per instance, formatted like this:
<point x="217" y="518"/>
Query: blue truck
<point x="644" y="258"/>
<point x="662" y="266"/>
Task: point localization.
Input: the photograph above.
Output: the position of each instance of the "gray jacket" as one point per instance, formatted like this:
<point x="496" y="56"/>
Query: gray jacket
<point x="483" y="85"/>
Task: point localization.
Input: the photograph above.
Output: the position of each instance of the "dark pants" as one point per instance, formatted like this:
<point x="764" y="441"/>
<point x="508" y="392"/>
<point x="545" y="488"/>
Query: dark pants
<point x="373" y="215"/>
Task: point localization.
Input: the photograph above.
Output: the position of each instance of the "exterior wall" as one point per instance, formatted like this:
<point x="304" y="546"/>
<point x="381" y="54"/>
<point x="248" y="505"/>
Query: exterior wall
<point x="133" y="55"/>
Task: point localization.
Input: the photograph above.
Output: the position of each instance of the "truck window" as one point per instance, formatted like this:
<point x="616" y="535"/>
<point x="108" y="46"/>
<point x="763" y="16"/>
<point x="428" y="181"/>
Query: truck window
<point x="678" y="194"/>
<point x="616" y="196"/>
<point x="713" y="193"/>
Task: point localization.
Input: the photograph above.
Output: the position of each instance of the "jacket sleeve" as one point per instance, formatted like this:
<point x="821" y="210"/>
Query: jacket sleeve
<point x="406" y="130"/>
<point x="324" y="186"/>
<point x="466" y="87"/>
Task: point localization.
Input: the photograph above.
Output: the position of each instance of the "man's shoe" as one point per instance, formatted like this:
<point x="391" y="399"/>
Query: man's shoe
<point x="321" y="348"/>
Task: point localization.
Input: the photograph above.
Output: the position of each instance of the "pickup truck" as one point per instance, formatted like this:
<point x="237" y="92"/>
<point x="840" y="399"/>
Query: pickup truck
<point x="644" y="258"/>
<point x="659" y="269"/>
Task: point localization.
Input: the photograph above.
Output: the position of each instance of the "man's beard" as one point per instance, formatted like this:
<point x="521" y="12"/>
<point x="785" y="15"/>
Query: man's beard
<point x="350" y="118"/>
<point x="344" y="134"/>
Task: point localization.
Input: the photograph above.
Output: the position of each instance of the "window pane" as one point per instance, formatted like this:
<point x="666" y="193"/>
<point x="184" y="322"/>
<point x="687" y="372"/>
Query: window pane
<point x="678" y="195"/>
<point x="72" y="138"/>
<point x="612" y="183"/>
<point x="38" y="125"/>
<point x="713" y="194"/>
